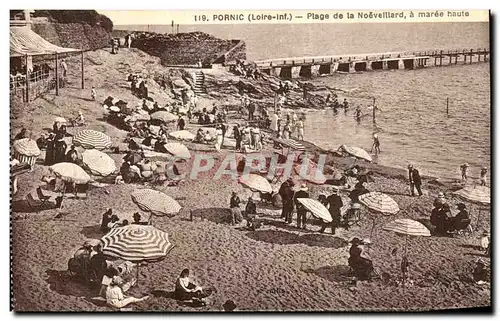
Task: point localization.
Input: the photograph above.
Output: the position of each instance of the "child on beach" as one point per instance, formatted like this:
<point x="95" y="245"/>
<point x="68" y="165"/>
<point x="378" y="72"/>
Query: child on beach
<point x="93" y="93"/>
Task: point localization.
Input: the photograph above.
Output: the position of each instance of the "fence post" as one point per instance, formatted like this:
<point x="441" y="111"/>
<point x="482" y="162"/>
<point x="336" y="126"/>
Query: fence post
<point x="27" y="81"/>
<point x="83" y="79"/>
<point x="57" y="76"/>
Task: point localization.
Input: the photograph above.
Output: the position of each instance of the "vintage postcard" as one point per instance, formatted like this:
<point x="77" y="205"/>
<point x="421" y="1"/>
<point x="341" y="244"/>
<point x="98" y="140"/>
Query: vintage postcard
<point x="288" y="160"/>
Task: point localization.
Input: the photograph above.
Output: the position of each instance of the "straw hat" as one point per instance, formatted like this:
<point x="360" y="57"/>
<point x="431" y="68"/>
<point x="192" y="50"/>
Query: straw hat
<point x="303" y="187"/>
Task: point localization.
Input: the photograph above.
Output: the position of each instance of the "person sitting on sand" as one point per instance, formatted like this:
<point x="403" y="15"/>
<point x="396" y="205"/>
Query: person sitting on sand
<point x="480" y="274"/>
<point x="462" y="219"/>
<point x="82" y="256"/>
<point x="106" y="219"/>
<point x="42" y="141"/>
<point x="207" y="138"/>
<point x="234" y="205"/>
<point x="115" y="297"/>
<point x="73" y="156"/>
<point x="137" y="219"/>
<point x="250" y="208"/>
<point x="440" y="218"/>
<point x="114" y="222"/>
<point x="229" y="306"/>
<point x="185" y="289"/>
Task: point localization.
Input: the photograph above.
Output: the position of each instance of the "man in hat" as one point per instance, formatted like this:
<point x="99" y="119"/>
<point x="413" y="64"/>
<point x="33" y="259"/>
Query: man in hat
<point x="335" y="203"/>
<point x="286" y="194"/>
<point x="234" y="205"/>
<point x="301" y="210"/>
<point x="415" y="180"/>
<point x="464" y="169"/>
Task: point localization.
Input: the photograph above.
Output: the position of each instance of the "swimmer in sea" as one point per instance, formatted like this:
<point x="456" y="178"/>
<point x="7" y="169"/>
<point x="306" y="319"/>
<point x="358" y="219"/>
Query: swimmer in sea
<point x="358" y="114"/>
<point x="376" y="144"/>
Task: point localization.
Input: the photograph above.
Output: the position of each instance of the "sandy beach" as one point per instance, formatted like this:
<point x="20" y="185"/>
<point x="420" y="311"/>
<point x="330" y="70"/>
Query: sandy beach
<point x="275" y="268"/>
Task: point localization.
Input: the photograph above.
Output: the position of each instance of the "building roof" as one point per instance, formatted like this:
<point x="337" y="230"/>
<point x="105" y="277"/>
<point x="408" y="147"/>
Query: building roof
<point x="24" y="41"/>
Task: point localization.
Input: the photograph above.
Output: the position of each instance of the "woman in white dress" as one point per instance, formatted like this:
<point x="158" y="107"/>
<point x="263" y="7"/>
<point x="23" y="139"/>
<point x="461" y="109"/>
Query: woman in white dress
<point x="218" y="138"/>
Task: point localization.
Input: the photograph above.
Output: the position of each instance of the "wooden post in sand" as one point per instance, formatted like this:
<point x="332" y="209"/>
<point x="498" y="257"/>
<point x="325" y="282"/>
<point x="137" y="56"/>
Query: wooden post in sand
<point x="57" y="76"/>
<point x="447" y="106"/>
<point x="83" y="79"/>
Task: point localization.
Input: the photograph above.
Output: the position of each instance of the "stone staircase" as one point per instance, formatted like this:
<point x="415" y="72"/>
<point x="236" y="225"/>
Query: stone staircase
<point x="199" y="83"/>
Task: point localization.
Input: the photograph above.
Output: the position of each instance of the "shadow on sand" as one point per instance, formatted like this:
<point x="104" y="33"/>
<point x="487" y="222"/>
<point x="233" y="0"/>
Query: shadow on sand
<point x="336" y="273"/>
<point x="92" y="231"/>
<point x="286" y="238"/>
<point x="22" y="206"/>
<point x="214" y="214"/>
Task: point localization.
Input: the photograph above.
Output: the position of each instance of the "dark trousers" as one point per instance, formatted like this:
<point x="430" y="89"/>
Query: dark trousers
<point x="250" y="115"/>
<point x="301" y="218"/>
<point x="288" y="209"/>
<point x="325" y="225"/>
<point x="417" y="186"/>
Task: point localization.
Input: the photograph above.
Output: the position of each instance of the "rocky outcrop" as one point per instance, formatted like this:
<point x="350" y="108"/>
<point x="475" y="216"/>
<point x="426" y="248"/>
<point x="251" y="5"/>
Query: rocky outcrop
<point x="73" y="35"/>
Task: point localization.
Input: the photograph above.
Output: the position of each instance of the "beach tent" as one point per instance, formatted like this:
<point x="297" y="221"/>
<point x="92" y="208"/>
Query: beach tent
<point x="26" y="151"/>
<point x="137" y="243"/>
<point x="24" y="44"/>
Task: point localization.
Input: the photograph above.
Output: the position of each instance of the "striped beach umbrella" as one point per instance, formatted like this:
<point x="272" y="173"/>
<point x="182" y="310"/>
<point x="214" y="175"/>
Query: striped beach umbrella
<point x="356" y="152"/>
<point x="136" y="243"/>
<point x="164" y="116"/>
<point x="182" y="135"/>
<point x="407" y="227"/>
<point x="26" y="151"/>
<point x="178" y="150"/>
<point x="70" y="172"/>
<point x="256" y="183"/>
<point x="155" y="202"/>
<point x="316" y="208"/>
<point x="379" y="202"/>
<point x="89" y="139"/>
<point x="476" y="194"/>
<point x="98" y="163"/>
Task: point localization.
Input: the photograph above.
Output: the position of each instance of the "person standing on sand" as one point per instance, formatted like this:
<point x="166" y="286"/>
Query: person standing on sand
<point x="286" y="194"/>
<point x="301" y="210"/>
<point x="415" y="180"/>
<point x="345" y="105"/>
<point x="300" y="129"/>
<point x="64" y="67"/>
<point x="335" y="203"/>
<point x="218" y="138"/>
<point x="237" y="136"/>
<point x="358" y="114"/>
<point x="181" y="123"/>
<point x="234" y="205"/>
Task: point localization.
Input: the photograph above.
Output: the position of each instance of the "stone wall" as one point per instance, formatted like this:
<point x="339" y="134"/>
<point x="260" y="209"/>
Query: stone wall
<point x="73" y="35"/>
<point x="189" y="48"/>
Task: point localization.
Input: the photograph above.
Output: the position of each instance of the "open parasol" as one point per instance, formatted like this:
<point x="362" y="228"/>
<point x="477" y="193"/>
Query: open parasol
<point x="356" y="152"/>
<point x="475" y="194"/>
<point x="60" y="120"/>
<point x="316" y="208"/>
<point x="182" y="135"/>
<point x="178" y="150"/>
<point x="155" y="202"/>
<point x="89" y="139"/>
<point x="379" y="202"/>
<point x="98" y="163"/>
<point x="256" y="183"/>
<point x="136" y="243"/>
<point x="164" y="116"/>
<point x="70" y="172"/>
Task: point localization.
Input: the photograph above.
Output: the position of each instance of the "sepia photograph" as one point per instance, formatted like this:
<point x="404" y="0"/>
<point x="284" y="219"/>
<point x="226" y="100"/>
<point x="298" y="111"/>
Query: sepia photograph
<point x="250" y="161"/>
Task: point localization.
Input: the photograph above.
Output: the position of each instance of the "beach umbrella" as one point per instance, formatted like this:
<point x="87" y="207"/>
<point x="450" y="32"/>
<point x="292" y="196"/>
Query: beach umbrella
<point x="312" y="174"/>
<point x="178" y="150"/>
<point x="164" y="116"/>
<point x="60" y="120"/>
<point x="379" y="202"/>
<point x="137" y="243"/>
<point x="155" y="202"/>
<point x="256" y="183"/>
<point x="316" y="208"/>
<point x="26" y="151"/>
<point x="475" y="194"/>
<point x="182" y="135"/>
<point x="70" y="172"/>
<point x="98" y="162"/>
<point x="407" y="228"/>
<point x="356" y="152"/>
<point x="89" y="139"/>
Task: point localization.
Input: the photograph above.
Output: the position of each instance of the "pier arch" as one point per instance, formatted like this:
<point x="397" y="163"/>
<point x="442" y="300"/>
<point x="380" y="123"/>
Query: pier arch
<point x="286" y="72"/>
<point x="393" y="64"/>
<point x="377" y="65"/>
<point x="343" y="67"/>
<point x="305" y="71"/>
<point x="324" y="69"/>
<point x="360" y="66"/>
